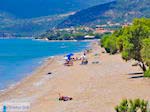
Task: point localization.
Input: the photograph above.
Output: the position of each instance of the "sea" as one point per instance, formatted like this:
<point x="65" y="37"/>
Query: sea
<point x="20" y="57"/>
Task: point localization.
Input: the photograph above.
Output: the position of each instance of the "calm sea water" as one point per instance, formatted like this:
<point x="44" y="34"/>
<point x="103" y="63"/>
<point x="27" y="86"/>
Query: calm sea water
<point x="19" y="57"/>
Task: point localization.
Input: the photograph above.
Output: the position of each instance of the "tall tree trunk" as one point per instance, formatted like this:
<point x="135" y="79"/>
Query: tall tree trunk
<point x="142" y="65"/>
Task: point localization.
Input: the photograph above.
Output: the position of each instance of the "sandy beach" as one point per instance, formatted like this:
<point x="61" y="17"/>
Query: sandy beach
<point x="94" y="87"/>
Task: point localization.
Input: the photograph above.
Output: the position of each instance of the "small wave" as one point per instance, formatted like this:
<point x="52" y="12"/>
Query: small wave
<point x="63" y="46"/>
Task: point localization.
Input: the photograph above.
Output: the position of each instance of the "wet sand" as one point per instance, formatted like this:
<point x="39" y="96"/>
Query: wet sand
<point x="94" y="87"/>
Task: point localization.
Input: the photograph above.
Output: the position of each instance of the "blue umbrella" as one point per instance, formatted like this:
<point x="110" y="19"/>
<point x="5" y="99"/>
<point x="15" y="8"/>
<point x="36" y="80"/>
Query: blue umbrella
<point x="69" y="56"/>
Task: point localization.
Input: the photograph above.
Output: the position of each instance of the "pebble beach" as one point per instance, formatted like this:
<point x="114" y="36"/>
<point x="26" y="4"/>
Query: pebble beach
<point x="95" y="87"/>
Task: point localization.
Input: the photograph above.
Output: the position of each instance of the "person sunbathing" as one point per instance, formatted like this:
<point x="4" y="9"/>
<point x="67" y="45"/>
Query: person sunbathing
<point x="64" y="98"/>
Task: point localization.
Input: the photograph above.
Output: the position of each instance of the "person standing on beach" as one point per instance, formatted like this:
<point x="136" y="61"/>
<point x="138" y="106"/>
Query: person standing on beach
<point x="84" y="59"/>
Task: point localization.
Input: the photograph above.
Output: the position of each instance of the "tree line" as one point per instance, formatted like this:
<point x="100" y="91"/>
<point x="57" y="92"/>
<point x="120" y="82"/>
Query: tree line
<point x="133" y="42"/>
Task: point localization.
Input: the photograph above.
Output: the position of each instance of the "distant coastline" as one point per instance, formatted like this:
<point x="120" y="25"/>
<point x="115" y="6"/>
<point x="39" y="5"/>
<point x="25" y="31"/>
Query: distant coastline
<point x="84" y="40"/>
<point x="17" y="37"/>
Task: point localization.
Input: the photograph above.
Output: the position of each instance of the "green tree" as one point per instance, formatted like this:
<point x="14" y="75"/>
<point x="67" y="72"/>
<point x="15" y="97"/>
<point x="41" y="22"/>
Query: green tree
<point x="109" y="43"/>
<point x="145" y="52"/>
<point x="146" y="55"/>
<point x="132" y="41"/>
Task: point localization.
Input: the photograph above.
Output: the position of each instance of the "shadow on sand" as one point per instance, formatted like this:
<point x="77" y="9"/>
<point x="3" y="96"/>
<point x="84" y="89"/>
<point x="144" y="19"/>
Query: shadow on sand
<point x="136" y="75"/>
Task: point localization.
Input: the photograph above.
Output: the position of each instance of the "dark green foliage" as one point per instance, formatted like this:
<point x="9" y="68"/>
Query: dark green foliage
<point x="147" y="73"/>
<point x="145" y="52"/>
<point x="132" y="106"/>
<point x="133" y="37"/>
<point x="77" y="33"/>
<point x="132" y="41"/>
<point x="104" y="43"/>
<point x="109" y="42"/>
<point x="123" y="107"/>
<point x="104" y="40"/>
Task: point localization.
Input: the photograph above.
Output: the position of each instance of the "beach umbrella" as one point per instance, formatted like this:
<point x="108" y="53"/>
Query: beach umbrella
<point x="69" y="56"/>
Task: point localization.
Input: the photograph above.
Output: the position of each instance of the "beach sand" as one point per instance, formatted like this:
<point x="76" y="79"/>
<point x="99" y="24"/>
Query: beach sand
<point x="94" y="87"/>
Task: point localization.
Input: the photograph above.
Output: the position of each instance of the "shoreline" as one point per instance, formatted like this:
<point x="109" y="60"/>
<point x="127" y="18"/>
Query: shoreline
<point x="44" y="62"/>
<point x="86" y="40"/>
<point x="94" y="87"/>
<point x="32" y="38"/>
<point x="12" y="86"/>
<point x="29" y="75"/>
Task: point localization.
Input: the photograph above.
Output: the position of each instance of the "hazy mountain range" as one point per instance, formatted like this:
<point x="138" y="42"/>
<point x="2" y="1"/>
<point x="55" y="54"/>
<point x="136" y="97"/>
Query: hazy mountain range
<point x="29" y="17"/>
<point x="116" y="11"/>
<point x="38" y="8"/>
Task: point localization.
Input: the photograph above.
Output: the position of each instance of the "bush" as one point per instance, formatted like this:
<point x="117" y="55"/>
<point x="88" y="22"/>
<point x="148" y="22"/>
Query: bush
<point x="145" y="51"/>
<point x="132" y="41"/>
<point x="104" y="40"/>
<point x="147" y="73"/>
<point x="109" y="43"/>
<point x="132" y="106"/>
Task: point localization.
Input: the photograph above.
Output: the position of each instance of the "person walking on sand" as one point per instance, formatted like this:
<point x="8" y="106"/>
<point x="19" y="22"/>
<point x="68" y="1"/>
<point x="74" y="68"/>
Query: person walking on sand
<point x="84" y="59"/>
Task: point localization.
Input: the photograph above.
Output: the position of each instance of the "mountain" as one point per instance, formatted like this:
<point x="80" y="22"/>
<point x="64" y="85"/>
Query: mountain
<point x="115" y="11"/>
<point x="38" y="8"/>
<point x="29" y="27"/>
<point x="31" y="17"/>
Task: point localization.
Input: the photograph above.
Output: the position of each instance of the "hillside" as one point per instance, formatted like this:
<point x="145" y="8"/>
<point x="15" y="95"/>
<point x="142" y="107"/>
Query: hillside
<point x="38" y="8"/>
<point x="116" y="11"/>
<point x="29" y="27"/>
<point x="30" y="17"/>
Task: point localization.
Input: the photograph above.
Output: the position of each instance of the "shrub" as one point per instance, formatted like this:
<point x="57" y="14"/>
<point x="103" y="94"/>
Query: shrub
<point x="145" y="52"/>
<point x="132" y="41"/>
<point x="132" y="106"/>
<point x="104" y="40"/>
<point x="147" y="73"/>
<point x="109" y="43"/>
